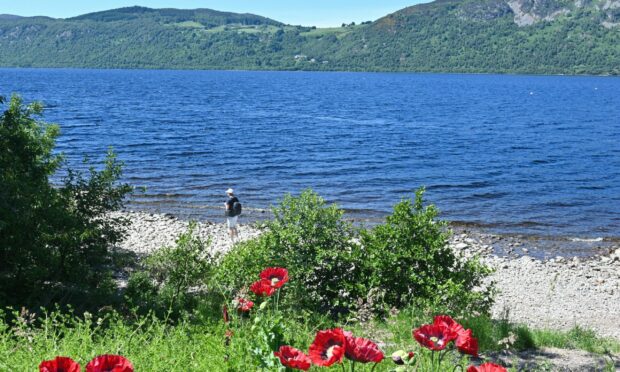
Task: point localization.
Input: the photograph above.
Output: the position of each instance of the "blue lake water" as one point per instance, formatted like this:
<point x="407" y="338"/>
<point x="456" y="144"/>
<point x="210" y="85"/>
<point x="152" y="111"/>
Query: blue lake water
<point x="520" y="154"/>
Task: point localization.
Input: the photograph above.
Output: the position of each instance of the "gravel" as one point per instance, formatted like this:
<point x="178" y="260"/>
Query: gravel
<point x="151" y="231"/>
<point x="557" y="293"/>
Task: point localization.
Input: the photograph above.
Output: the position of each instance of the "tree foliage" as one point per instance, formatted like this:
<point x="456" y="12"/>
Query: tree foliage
<point x="54" y="241"/>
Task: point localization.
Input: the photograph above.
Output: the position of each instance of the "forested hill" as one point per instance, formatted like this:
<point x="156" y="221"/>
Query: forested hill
<point x="517" y="36"/>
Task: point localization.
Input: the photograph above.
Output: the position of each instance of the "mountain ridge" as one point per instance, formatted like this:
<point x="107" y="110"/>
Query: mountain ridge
<point x="502" y="36"/>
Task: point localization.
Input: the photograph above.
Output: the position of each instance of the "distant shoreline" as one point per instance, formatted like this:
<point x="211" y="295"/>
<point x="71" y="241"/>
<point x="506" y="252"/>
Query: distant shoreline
<point x="227" y="69"/>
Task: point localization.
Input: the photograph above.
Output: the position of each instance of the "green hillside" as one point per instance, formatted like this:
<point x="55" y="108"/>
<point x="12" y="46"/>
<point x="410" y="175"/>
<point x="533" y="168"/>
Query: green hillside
<point x="520" y="36"/>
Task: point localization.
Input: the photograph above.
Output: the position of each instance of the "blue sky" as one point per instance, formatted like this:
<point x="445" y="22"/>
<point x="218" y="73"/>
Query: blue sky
<point x="320" y="13"/>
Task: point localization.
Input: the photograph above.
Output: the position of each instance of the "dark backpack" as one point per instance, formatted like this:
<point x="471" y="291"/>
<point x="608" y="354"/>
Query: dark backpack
<point x="236" y="208"/>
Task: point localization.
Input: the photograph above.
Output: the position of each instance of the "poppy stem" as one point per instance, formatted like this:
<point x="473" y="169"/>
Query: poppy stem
<point x="460" y="367"/>
<point x="343" y="370"/>
<point x="373" y="367"/>
<point x="441" y="357"/>
<point x="353" y="366"/>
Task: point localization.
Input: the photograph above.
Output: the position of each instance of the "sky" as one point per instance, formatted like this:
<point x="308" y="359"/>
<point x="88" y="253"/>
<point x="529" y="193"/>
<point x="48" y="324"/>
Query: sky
<point x="321" y="13"/>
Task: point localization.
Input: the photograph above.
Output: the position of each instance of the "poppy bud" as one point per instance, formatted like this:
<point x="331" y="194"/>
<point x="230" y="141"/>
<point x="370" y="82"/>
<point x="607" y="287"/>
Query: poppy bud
<point x="399" y="357"/>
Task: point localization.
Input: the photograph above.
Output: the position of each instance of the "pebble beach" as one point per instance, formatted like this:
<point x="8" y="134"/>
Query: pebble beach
<point x="551" y="293"/>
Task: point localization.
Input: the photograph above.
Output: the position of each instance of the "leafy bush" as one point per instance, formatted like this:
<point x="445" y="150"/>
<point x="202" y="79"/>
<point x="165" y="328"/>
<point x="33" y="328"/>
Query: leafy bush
<point x="405" y="260"/>
<point x="53" y="240"/>
<point x="409" y="260"/>
<point x="171" y="274"/>
<point x="314" y="243"/>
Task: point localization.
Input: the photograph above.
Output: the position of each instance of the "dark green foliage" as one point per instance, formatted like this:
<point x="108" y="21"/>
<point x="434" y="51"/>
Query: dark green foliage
<point x="408" y="259"/>
<point x="54" y="241"/>
<point x="404" y="261"/>
<point x="172" y="276"/>
<point x="442" y="36"/>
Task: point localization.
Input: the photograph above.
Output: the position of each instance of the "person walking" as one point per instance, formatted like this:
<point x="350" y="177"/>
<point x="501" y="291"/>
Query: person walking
<point x="231" y="214"/>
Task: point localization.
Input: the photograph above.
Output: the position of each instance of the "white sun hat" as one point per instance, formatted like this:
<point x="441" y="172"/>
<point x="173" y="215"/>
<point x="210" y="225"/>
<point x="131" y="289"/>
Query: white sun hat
<point x="230" y="191"/>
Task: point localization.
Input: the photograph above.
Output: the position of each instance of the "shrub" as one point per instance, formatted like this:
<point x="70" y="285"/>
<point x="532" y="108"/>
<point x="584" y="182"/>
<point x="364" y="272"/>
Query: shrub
<point x="171" y="275"/>
<point x="314" y="243"/>
<point x="408" y="258"/>
<point x="53" y="240"/>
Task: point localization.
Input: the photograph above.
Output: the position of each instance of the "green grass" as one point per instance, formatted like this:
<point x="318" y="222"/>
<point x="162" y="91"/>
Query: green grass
<point x="245" y="29"/>
<point x="338" y="31"/>
<point x="189" y="24"/>
<point x="576" y="338"/>
<point x="197" y="342"/>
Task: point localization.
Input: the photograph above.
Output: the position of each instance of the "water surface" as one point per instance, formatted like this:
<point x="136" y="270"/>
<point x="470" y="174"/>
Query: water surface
<point x="518" y="154"/>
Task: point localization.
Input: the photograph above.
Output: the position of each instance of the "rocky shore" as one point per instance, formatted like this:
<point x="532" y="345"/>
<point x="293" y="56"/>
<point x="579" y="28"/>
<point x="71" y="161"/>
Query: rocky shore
<point x="151" y="231"/>
<point x="556" y="293"/>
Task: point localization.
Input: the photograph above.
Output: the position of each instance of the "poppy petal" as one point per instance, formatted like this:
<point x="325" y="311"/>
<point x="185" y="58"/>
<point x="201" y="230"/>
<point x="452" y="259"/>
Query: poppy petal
<point x="293" y="358"/>
<point x="109" y="363"/>
<point x="59" y="364"/>
<point x="328" y="347"/>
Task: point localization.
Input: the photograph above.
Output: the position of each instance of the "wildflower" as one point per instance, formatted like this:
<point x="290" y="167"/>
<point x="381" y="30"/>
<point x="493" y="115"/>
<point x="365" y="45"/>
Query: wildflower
<point x="466" y="343"/>
<point x="262" y="288"/>
<point x="244" y="305"/>
<point x="59" y="364"/>
<point x="434" y="337"/>
<point x="293" y="358"/>
<point x="277" y="276"/>
<point x="109" y="363"/>
<point x="361" y="350"/>
<point x="487" y="367"/>
<point x="328" y="347"/>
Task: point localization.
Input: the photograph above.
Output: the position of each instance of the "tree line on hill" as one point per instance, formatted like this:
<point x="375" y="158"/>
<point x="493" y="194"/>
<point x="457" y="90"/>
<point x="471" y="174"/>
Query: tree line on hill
<point x="444" y="36"/>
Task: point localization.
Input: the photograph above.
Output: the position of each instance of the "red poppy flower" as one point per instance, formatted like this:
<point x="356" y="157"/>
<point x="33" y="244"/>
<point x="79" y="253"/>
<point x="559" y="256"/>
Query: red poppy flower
<point x="109" y="363"/>
<point x="447" y="321"/>
<point x="277" y="276"/>
<point x="487" y="367"/>
<point x="262" y="288"/>
<point x="293" y="358"/>
<point x="361" y="350"/>
<point x="59" y="364"/>
<point x="244" y="305"/>
<point x="466" y="343"/>
<point x="328" y="347"/>
<point x="433" y="336"/>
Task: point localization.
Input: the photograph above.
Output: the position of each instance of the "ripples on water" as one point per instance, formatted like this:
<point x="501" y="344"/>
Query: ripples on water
<point x="521" y="154"/>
